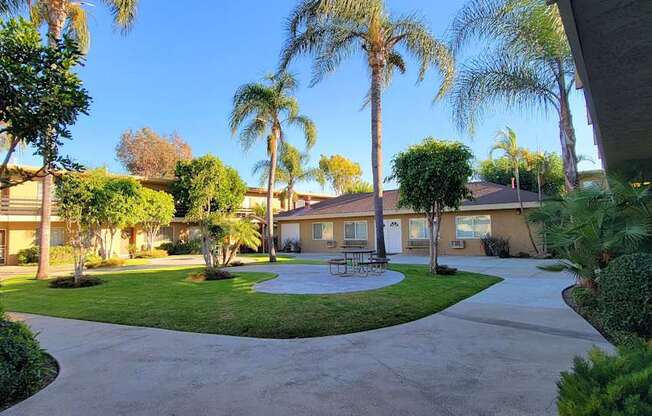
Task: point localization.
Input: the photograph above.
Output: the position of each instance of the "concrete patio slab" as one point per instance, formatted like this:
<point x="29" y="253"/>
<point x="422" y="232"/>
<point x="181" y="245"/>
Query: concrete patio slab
<point x="497" y="353"/>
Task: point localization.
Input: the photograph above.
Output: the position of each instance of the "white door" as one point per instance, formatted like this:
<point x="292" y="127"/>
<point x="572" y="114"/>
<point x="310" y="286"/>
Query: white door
<point x="393" y="240"/>
<point x="289" y="232"/>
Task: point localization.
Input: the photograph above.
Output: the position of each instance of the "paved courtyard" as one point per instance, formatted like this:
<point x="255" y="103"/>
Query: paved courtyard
<point x="497" y="353"/>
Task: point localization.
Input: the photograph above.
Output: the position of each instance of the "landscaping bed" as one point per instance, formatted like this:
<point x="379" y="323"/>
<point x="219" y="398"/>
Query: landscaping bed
<point x="164" y="298"/>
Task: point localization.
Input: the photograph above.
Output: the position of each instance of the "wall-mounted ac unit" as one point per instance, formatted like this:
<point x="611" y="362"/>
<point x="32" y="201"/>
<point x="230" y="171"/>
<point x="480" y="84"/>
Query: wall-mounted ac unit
<point x="457" y="243"/>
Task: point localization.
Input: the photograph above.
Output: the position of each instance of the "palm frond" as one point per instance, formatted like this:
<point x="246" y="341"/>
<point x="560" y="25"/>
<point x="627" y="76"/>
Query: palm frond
<point x="123" y="12"/>
<point x="309" y="129"/>
<point x="77" y="25"/>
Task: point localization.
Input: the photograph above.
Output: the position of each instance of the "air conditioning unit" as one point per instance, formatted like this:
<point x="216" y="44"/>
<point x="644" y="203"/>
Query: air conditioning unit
<point x="457" y="243"/>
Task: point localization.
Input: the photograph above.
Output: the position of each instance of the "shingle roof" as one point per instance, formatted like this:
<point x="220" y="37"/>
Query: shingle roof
<point x="484" y="193"/>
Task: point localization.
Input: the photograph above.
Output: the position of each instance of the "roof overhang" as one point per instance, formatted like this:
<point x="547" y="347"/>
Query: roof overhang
<point x="612" y="48"/>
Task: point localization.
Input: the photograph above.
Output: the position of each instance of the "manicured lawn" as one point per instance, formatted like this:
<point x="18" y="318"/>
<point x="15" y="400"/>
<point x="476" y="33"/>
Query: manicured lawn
<point x="164" y="299"/>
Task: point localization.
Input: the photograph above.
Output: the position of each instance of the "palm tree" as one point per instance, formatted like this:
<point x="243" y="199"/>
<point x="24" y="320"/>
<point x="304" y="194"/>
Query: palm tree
<point x="64" y="16"/>
<point x="290" y="171"/>
<point x="527" y="65"/>
<point x="263" y="110"/>
<point x="237" y="232"/>
<point x="507" y="143"/>
<point x="332" y="30"/>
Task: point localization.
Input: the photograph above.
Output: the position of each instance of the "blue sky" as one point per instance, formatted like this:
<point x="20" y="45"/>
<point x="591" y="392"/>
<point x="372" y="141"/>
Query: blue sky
<point x="178" y="68"/>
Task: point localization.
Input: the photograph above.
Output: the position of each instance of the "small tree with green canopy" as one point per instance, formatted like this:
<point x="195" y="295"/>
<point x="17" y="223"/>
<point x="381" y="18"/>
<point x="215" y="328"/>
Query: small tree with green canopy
<point x="339" y="172"/>
<point x="235" y="232"/>
<point x="40" y="98"/>
<point x="213" y="190"/>
<point x="333" y="30"/>
<point x="433" y="177"/>
<point x="117" y="204"/>
<point x="157" y="212"/>
<point x="75" y="193"/>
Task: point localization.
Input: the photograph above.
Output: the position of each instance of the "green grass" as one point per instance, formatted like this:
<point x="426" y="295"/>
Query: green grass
<point x="164" y="299"/>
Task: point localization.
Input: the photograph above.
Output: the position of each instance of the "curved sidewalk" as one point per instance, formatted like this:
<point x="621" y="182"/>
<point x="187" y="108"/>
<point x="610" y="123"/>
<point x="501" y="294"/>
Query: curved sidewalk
<point x="497" y="353"/>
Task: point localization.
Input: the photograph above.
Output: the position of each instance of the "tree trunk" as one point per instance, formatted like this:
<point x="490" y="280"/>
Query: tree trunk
<point x="520" y="203"/>
<point x="433" y="233"/>
<point x="56" y="21"/>
<point x="271" y="180"/>
<point x="44" y="236"/>
<point x="377" y="157"/>
<point x="567" y="135"/>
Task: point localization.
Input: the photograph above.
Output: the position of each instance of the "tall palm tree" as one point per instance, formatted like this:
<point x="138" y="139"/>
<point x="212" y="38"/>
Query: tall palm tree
<point x="332" y="30"/>
<point x="64" y="16"/>
<point x="507" y="143"/>
<point x="290" y="171"/>
<point x="527" y="64"/>
<point x="262" y="111"/>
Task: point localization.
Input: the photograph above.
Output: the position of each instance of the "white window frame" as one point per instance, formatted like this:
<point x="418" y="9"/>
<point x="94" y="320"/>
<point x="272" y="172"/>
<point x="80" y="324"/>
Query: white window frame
<point x="312" y="227"/>
<point x="355" y="230"/>
<point x="475" y="236"/>
<point x="425" y="221"/>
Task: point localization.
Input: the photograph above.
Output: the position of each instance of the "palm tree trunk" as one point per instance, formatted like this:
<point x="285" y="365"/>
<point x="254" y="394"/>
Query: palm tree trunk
<point x="520" y="203"/>
<point x="377" y="157"/>
<point x="566" y="134"/>
<point x="56" y="21"/>
<point x="271" y="180"/>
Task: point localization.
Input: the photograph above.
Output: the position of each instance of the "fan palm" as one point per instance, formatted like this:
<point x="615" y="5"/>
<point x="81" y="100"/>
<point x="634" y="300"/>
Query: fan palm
<point x="290" y="171"/>
<point x="236" y="232"/>
<point x="507" y="143"/>
<point x="527" y="65"/>
<point x="589" y="227"/>
<point x="262" y="111"/>
<point x="333" y="30"/>
<point x="64" y="16"/>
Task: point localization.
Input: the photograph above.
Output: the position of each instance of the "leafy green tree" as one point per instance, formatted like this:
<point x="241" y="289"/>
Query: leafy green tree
<point x="432" y="178"/>
<point x="157" y="212"/>
<point x="117" y="204"/>
<point x="340" y="172"/>
<point x="290" y="171"/>
<point x="41" y="97"/>
<point x="540" y="172"/>
<point x="527" y="64"/>
<point x="213" y="190"/>
<point x="333" y="30"/>
<point x="75" y="193"/>
<point x="589" y="227"/>
<point x="262" y="111"/>
<point x="69" y="18"/>
<point x="359" y="187"/>
<point x="507" y="143"/>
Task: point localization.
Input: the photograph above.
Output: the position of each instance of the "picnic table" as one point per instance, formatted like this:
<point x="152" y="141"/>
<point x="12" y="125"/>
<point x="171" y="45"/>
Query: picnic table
<point x="358" y="261"/>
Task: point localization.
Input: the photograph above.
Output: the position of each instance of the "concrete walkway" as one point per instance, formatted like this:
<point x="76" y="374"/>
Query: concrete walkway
<point x="497" y="353"/>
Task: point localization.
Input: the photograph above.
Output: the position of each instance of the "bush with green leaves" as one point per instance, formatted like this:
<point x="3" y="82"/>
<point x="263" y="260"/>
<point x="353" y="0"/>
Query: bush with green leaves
<point x="608" y="384"/>
<point x="190" y="247"/>
<point x="58" y="255"/>
<point x="584" y="298"/>
<point x="626" y="294"/>
<point x="21" y="362"/>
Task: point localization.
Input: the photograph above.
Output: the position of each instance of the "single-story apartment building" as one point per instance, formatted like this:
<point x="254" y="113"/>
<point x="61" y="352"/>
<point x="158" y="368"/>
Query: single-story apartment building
<point x="348" y="221"/>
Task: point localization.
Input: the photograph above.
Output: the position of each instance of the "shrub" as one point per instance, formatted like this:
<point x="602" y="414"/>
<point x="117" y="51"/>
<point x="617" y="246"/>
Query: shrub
<point x="210" y="274"/>
<point x="495" y="246"/>
<point x="69" y="282"/>
<point x="58" y="255"/>
<point x="584" y="298"/>
<point x="291" y="245"/>
<point x="112" y="262"/>
<point x="446" y="270"/>
<point x="626" y="294"/>
<point x="21" y="362"/>
<point x="151" y="254"/>
<point x="608" y="385"/>
<point x="190" y="247"/>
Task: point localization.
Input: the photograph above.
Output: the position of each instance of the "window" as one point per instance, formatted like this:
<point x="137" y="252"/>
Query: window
<point x="57" y="237"/>
<point x="194" y="233"/>
<point x="472" y="226"/>
<point x="164" y="235"/>
<point x="418" y="229"/>
<point x="355" y="230"/>
<point x="322" y="231"/>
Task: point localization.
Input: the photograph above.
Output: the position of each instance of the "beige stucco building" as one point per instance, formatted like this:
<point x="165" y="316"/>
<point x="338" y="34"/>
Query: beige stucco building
<point x="348" y="221"/>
